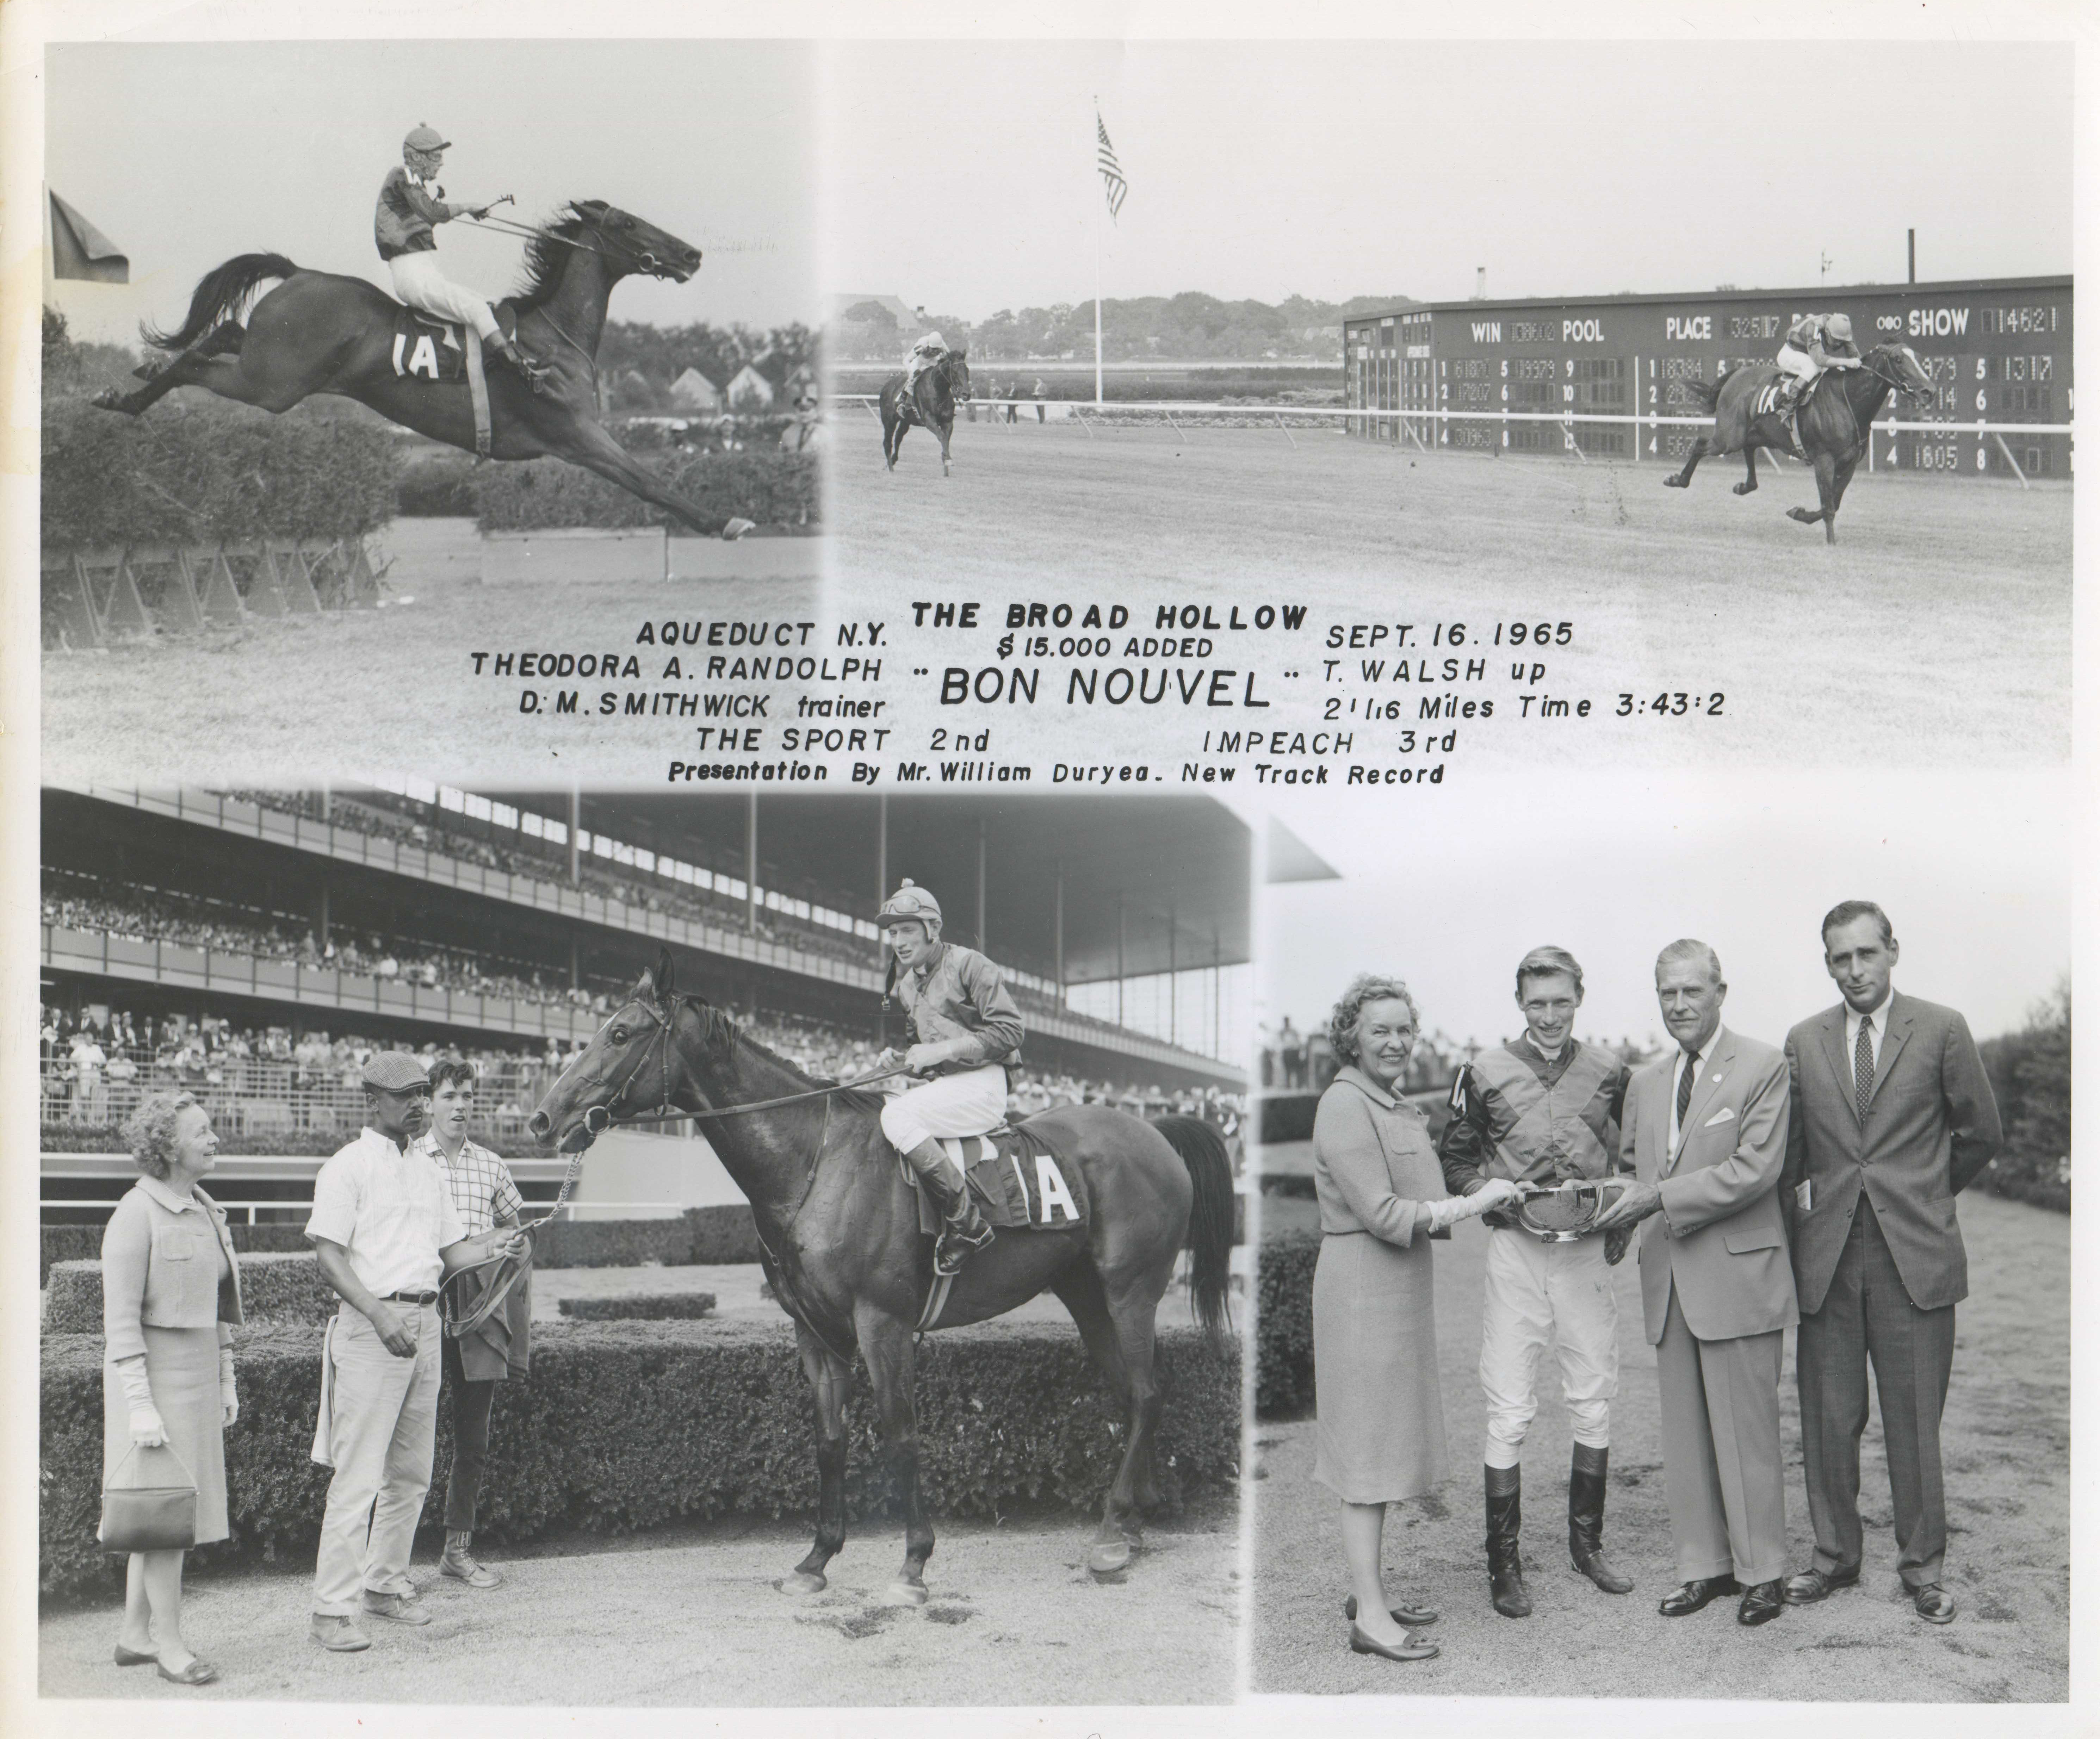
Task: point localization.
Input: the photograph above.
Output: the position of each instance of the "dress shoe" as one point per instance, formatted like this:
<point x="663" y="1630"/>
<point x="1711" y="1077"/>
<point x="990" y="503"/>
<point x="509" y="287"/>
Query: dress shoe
<point x="197" y="1672"/>
<point x="338" y="1635"/>
<point x="132" y="1657"/>
<point x="1409" y="1650"/>
<point x="1402" y="1615"/>
<point x="1762" y="1603"/>
<point x="1693" y="1595"/>
<point x="1813" y="1585"/>
<point x="1935" y="1605"/>
<point x="393" y="1606"/>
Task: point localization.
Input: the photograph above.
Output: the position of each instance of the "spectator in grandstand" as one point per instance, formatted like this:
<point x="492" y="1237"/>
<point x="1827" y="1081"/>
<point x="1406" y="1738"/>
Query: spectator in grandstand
<point x="89" y="1104"/>
<point x="1380" y="1433"/>
<point x="171" y="1299"/>
<point x="485" y="1198"/>
<point x="386" y="1233"/>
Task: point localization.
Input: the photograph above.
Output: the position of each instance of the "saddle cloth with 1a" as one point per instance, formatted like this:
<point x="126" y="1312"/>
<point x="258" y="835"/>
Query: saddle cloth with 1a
<point x="441" y="350"/>
<point x="1016" y="1179"/>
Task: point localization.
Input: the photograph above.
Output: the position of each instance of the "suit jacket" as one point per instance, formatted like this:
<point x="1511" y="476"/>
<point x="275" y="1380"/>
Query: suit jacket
<point x="1932" y="1125"/>
<point x="1720" y="1240"/>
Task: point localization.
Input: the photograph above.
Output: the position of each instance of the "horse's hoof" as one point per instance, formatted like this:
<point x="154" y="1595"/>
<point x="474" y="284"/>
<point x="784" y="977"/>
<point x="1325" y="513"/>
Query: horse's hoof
<point x="1744" y="488"/>
<point x="106" y="399"/>
<point x="736" y="528"/>
<point x="1105" y="1557"/>
<point x="1673" y="483"/>
<point x="802" y="1581"/>
<point x="904" y="1593"/>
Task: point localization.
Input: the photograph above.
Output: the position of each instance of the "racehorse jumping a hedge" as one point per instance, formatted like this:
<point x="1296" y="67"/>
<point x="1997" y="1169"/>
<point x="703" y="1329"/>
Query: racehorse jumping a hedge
<point x="931" y="404"/>
<point x="1836" y="422"/>
<point x="840" y="1230"/>
<point x="320" y="331"/>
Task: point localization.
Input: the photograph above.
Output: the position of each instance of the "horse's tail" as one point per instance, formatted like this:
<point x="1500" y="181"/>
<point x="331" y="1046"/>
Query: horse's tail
<point x="1202" y="1151"/>
<point x="1707" y="393"/>
<point x="219" y="292"/>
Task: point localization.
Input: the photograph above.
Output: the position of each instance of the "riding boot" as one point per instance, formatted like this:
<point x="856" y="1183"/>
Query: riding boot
<point x="1585" y="1520"/>
<point x="1506" y="1586"/>
<point x="535" y="373"/>
<point x="964" y="1227"/>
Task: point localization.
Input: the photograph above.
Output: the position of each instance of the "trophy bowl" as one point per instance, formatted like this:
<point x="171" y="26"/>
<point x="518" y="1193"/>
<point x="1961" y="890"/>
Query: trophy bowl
<point x="1560" y="1213"/>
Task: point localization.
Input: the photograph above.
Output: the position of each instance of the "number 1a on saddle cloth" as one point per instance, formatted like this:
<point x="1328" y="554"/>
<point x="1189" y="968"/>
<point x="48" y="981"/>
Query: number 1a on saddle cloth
<point x="1016" y="1180"/>
<point x="427" y="348"/>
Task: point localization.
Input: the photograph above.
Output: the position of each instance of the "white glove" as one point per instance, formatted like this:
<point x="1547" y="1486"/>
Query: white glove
<point x="1493" y="1194"/>
<point x="148" y="1429"/>
<point x="229" y="1399"/>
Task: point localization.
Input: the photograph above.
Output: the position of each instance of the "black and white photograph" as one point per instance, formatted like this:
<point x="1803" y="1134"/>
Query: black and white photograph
<point x="663" y="1250"/>
<point x="397" y="349"/>
<point x="1078" y="872"/>
<point x="1564" y="1336"/>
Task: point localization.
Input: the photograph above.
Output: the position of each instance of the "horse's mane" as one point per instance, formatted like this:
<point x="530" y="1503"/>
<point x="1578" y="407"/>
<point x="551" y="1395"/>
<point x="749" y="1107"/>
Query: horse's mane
<point x="718" y="1026"/>
<point x="544" y="257"/>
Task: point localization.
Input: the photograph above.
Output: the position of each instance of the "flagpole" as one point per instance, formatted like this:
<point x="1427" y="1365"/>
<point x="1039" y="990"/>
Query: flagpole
<point x="1097" y="278"/>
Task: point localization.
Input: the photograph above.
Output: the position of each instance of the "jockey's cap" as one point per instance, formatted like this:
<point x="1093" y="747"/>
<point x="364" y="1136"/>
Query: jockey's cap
<point x="425" y="137"/>
<point x="909" y="904"/>
<point x="1841" y="326"/>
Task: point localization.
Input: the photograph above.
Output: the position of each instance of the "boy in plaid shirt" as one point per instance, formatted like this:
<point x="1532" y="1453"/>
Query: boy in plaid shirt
<point x="485" y="1195"/>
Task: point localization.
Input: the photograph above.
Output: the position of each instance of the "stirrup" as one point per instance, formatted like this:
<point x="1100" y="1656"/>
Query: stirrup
<point x="954" y="1246"/>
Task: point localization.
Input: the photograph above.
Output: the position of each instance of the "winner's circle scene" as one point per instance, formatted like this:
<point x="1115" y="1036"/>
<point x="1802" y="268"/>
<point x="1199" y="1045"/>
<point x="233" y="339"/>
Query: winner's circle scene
<point x="1664" y="1247"/>
<point x="670" y="1250"/>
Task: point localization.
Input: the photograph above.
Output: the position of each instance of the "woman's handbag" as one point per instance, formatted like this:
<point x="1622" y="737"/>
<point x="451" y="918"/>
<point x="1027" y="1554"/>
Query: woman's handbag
<point x="138" y="1515"/>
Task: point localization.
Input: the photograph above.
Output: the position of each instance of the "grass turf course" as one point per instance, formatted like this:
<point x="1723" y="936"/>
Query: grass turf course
<point x="1943" y="615"/>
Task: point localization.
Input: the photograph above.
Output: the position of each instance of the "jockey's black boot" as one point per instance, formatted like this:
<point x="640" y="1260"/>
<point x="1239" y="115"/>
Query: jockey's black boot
<point x="535" y="373"/>
<point x="1585" y="1520"/>
<point x="1506" y="1586"/>
<point x="964" y="1227"/>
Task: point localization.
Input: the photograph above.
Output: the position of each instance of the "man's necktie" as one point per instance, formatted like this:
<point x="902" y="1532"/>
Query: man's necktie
<point x="1862" y="1067"/>
<point x="1685" y="1078"/>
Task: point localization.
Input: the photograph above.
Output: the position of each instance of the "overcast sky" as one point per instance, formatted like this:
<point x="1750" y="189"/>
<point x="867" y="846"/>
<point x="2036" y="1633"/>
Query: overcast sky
<point x="1973" y="870"/>
<point x="184" y="154"/>
<point x="966" y="176"/>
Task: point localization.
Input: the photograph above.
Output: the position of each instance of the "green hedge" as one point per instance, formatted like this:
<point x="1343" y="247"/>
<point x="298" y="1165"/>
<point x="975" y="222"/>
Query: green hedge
<point x="201" y="472"/>
<point x="2029" y="1073"/>
<point x="1283" y="1337"/>
<point x="613" y="1243"/>
<point x="438" y="486"/>
<point x="285" y="1287"/>
<point x="722" y="1236"/>
<point x="624" y="1426"/>
<point x="83" y="1243"/>
<point x="771" y="487"/>
<point x="642" y="1307"/>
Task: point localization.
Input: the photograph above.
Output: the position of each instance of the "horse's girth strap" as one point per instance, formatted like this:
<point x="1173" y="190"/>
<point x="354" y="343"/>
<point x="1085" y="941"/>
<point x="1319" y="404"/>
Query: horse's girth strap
<point x="477" y="387"/>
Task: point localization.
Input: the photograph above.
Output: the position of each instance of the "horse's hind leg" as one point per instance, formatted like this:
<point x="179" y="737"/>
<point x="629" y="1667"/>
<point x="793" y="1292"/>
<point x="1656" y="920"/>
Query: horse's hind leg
<point x="194" y="367"/>
<point x="1683" y="479"/>
<point x="1081" y="1290"/>
<point x="1749" y="481"/>
<point x="829" y="1376"/>
<point x="1828" y="490"/>
<point x="885" y="1342"/>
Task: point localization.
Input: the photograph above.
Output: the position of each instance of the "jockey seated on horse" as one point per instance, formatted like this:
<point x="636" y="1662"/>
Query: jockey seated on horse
<point x="1814" y="342"/>
<point x="965" y="1030"/>
<point x="411" y="205"/>
<point x="923" y="355"/>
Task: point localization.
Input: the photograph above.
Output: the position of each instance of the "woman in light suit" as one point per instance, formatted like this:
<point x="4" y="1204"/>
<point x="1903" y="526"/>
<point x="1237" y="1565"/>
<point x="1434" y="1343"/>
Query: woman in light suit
<point x="171" y="1298"/>
<point x="1380" y="1435"/>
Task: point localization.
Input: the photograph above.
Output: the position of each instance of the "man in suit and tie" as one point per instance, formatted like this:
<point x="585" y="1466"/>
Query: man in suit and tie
<point x="1894" y="1116"/>
<point x="1704" y="1133"/>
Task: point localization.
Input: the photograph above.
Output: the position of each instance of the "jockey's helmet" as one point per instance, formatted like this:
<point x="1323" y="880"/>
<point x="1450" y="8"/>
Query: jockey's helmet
<point x="911" y="904"/>
<point x="1841" y="327"/>
<point x="425" y="137"/>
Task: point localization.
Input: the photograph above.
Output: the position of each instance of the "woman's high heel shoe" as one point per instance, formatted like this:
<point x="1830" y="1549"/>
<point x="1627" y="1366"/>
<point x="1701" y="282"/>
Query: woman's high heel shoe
<point x="1402" y="1615"/>
<point x="1409" y="1650"/>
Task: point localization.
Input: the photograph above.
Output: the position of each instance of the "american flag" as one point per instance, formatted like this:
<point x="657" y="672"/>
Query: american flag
<point x="1105" y="159"/>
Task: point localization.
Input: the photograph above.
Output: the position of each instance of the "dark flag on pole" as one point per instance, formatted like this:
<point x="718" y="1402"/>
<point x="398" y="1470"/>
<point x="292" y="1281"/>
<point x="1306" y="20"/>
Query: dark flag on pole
<point x="81" y="250"/>
<point x="1105" y="159"/>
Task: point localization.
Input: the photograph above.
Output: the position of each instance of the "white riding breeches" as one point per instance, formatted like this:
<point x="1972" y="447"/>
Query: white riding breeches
<point x="968" y="1102"/>
<point x="1538" y="1292"/>
<point x="1796" y="362"/>
<point x="418" y="282"/>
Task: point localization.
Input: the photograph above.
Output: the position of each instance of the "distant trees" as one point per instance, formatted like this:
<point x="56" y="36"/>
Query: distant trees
<point x="2029" y="1073"/>
<point x="639" y="363"/>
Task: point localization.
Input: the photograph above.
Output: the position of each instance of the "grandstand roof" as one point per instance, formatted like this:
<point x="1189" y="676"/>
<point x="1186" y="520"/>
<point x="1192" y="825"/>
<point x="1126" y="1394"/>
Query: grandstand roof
<point x="1803" y="295"/>
<point x="1150" y="859"/>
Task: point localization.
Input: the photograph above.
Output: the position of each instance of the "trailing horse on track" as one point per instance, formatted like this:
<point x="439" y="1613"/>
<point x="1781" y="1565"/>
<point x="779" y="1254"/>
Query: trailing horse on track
<point x="933" y="403"/>
<point x="839" y="1227"/>
<point x="1836" y="422"/>
<point x="320" y="332"/>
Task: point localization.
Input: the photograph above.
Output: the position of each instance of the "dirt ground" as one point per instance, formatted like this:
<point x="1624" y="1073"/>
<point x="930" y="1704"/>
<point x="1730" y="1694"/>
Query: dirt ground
<point x="2006" y="1442"/>
<point x="692" y="1618"/>
<point x="392" y="689"/>
<point x="1694" y="590"/>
